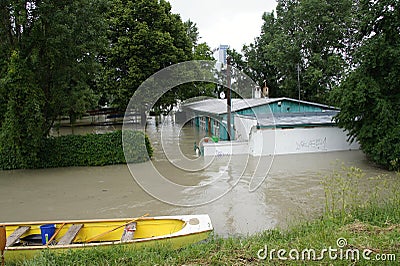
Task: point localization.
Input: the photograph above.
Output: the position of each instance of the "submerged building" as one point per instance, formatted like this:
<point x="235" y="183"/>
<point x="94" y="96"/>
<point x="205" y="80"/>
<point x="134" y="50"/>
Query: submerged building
<point x="267" y="126"/>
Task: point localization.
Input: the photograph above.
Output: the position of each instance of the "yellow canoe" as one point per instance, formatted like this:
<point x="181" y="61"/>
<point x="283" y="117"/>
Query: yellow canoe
<point x="25" y="239"/>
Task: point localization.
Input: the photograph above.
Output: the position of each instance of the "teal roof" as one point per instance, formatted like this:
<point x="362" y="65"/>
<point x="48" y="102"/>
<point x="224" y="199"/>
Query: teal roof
<point x="297" y="119"/>
<point x="219" y="106"/>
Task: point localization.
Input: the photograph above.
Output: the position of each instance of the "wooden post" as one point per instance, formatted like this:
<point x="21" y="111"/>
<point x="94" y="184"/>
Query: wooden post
<point x="3" y="240"/>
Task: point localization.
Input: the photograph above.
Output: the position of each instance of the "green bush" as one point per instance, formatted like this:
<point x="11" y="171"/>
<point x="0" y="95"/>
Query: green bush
<point x="88" y="150"/>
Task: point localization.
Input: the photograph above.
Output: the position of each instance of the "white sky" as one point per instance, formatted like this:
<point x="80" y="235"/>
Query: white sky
<point x="232" y="22"/>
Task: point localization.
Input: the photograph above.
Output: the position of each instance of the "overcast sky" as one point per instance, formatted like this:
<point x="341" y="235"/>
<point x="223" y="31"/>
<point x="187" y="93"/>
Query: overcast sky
<point x="232" y="22"/>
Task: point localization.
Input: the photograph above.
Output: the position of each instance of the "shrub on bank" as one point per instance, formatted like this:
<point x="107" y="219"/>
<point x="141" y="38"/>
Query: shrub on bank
<point x="88" y="150"/>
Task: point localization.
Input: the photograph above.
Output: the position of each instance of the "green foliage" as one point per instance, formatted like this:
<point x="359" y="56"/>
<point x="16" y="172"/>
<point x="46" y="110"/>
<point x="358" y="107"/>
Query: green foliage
<point x="192" y="32"/>
<point x="311" y="38"/>
<point x="145" y="37"/>
<point x="84" y="150"/>
<point x="49" y="57"/>
<point x="346" y="192"/>
<point x="341" y="190"/>
<point x="369" y="97"/>
<point x="348" y="198"/>
<point x="59" y="42"/>
<point x="136" y="146"/>
<point x="257" y="58"/>
<point x="201" y="51"/>
<point x="21" y="130"/>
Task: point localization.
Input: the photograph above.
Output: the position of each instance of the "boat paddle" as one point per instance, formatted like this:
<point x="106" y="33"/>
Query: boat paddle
<point x="3" y="240"/>
<point x="55" y="234"/>
<point x="109" y="231"/>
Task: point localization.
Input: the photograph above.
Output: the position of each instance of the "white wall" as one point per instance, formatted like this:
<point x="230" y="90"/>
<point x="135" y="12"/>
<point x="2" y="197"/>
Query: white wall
<point x="298" y="140"/>
<point x="225" y="148"/>
<point x="243" y="126"/>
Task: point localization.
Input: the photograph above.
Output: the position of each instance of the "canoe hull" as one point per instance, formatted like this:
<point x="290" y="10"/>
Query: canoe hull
<point x="171" y="231"/>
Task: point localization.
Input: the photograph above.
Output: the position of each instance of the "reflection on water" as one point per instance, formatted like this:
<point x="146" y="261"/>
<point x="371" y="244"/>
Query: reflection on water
<point x="291" y="191"/>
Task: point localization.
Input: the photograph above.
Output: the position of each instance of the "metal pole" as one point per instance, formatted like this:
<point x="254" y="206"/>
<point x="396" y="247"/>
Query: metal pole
<point x="298" y="81"/>
<point x="228" y="96"/>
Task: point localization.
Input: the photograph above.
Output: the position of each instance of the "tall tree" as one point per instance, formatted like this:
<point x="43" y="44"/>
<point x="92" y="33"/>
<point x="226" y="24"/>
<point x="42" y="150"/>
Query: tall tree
<point x="323" y="29"/>
<point x="59" y="41"/>
<point x="192" y="32"/>
<point x="201" y="51"/>
<point x="257" y="59"/>
<point x="48" y="60"/>
<point x="369" y="97"/>
<point x="145" y="37"/>
<point x="21" y="131"/>
<point x="307" y="42"/>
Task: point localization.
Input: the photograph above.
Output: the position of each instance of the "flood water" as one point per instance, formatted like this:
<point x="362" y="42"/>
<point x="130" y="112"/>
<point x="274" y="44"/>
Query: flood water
<point x="290" y="192"/>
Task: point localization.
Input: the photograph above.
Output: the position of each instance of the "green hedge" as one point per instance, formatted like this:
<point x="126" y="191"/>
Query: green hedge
<point x="89" y="150"/>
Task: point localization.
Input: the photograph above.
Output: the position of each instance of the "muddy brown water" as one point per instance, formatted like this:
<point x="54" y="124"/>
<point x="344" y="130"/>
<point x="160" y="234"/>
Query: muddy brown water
<point x="291" y="191"/>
